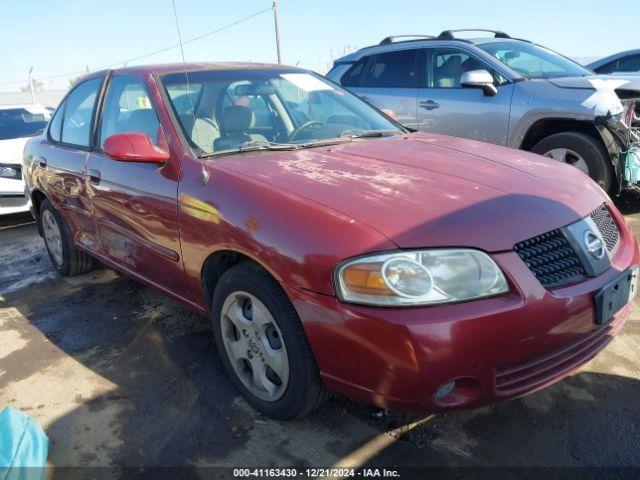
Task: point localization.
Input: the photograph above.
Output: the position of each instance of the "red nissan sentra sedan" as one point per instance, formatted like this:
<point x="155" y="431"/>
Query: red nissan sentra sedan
<point x="332" y="248"/>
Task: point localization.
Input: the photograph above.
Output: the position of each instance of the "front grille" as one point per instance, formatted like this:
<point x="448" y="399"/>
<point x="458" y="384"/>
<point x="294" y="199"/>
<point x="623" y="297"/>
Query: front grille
<point x="551" y="259"/>
<point x="535" y="372"/>
<point x="607" y="227"/>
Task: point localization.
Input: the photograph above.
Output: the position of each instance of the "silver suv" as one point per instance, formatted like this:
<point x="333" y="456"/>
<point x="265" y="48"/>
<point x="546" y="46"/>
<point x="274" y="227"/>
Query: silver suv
<point x="501" y="90"/>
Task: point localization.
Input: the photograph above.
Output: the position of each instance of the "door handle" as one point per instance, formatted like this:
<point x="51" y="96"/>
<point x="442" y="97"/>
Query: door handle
<point x="429" y="105"/>
<point x="42" y="161"/>
<point x="94" y="177"/>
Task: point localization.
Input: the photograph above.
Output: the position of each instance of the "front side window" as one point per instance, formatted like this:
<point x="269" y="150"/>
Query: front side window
<point x="629" y="64"/>
<point x="78" y="114"/>
<point x="239" y="109"/>
<point x="532" y="61"/>
<point x="392" y="69"/>
<point x="128" y="109"/>
<point x="22" y="122"/>
<point x="445" y="67"/>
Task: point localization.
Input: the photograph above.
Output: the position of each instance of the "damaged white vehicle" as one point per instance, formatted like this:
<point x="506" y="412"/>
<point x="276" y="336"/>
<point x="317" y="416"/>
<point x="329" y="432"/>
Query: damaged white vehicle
<point x="17" y="124"/>
<point x="505" y="91"/>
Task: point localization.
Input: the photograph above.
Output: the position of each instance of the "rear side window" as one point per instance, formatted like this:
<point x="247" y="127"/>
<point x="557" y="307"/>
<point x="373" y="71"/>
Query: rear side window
<point x="78" y="115"/>
<point x="391" y="69"/>
<point x="128" y="109"/>
<point x="352" y="76"/>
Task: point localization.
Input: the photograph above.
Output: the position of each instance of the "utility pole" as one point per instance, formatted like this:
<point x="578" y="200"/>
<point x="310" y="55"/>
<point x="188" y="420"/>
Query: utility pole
<point x="275" y="20"/>
<point x="33" y="93"/>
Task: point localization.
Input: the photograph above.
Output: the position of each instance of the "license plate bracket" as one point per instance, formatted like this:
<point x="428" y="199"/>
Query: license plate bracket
<point x="615" y="295"/>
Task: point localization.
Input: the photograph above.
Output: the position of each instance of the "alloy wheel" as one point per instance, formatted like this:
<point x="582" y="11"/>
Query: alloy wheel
<point x="52" y="236"/>
<point x="255" y="346"/>
<point x="570" y="157"/>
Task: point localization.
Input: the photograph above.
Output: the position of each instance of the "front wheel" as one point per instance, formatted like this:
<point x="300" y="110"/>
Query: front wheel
<point x="262" y="344"/>
<point x="579" y="150"/>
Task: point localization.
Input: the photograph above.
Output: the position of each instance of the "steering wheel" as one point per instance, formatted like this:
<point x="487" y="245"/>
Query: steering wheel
<point x="298" y="130"/>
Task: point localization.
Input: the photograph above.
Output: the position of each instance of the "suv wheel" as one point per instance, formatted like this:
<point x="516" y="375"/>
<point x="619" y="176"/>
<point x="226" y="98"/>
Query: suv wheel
<point x="262" y="344"/>
<point x="581" y="151"/>
<point x="64" y="255"/>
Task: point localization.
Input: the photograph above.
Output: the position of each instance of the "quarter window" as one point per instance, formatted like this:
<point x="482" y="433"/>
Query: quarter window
<point x="78" y="115"/>
<point x="352" y="76"/>
<point x="128" y="109"/>
<point x="55" y="128"/>
<point x="391" y="69"/>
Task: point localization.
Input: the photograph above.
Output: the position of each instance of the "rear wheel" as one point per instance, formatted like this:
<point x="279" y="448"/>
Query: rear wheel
<point x="58" y="239"/>
<point x="263" y="345"/>
<point x="582" y="151"/>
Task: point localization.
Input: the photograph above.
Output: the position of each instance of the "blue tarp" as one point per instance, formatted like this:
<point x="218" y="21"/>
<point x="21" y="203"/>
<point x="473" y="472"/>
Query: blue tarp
<point x="23" y="446"/>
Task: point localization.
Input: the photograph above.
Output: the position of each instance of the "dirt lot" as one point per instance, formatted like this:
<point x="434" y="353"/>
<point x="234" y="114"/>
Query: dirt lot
<point x="119" y="375"/>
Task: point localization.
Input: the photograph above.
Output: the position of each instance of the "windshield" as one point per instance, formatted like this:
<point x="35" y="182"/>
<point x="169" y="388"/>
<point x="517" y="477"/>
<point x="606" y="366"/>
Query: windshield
<point x="247" y="109"/>
<point x="532" y="61"/>
<point x="20" y="122"/>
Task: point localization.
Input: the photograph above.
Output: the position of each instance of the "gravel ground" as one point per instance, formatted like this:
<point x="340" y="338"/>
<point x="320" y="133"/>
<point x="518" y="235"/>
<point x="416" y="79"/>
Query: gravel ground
<point x="119" y="375"/>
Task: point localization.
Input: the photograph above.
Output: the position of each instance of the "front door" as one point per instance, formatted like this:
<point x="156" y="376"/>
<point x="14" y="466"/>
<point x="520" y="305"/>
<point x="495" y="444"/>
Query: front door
<point x="135" y="204"/>
<point x="444" y="106"/>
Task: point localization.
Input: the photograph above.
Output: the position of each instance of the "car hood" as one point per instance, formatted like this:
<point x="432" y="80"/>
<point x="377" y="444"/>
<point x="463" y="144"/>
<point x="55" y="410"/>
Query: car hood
<point x="423" y="190"/>
<point x="11" y="150"/>
<point x="626" y="82"/>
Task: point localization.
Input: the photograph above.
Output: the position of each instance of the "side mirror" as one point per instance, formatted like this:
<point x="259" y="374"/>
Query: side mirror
<point x="134" y="147"/>
<point x="479" y="79"/>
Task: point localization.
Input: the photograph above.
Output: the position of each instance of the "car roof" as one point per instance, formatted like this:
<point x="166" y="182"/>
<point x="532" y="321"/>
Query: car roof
<point x="35" y="106"/>
<point x="611" y="58"/>
<point x="165" y="68"/>
<point x="387" y="45"/>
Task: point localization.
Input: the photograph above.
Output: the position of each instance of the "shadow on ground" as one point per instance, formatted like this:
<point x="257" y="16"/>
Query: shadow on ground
<point x="150" y="390"/>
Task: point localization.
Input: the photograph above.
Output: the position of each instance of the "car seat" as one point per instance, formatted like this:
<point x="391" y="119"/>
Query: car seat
<point x="235" y="123"/>
<point x="448" y="75"/>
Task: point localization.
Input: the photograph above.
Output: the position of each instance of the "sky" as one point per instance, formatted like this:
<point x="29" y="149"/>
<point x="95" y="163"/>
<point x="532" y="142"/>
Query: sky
<point x="65" y="37"/>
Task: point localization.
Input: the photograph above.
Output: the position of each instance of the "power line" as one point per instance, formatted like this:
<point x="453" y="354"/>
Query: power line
<point x="150" y="54"/>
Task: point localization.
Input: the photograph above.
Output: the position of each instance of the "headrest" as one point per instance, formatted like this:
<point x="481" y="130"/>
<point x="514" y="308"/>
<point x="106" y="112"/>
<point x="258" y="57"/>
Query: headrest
<point x="236" y="119"/>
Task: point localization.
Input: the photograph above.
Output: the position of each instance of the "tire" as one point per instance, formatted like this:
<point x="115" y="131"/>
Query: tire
<point x="590" y="150"/>
<point x="246" y="290"/>
<point x="65" y="257"/>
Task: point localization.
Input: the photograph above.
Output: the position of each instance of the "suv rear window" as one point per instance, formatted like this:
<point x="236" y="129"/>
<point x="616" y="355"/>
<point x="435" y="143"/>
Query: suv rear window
<point x="391" y="69"/>
<point x="20" y="122"/>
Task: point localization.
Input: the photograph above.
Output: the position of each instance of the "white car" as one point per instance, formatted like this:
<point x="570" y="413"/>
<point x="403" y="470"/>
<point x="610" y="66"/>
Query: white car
<point x="17" y="124"/>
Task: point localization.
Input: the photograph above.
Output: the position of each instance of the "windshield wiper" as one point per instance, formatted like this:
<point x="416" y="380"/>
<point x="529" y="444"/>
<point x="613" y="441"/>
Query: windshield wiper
<point x="253" y="146"/>
<point x="360" y="133"/>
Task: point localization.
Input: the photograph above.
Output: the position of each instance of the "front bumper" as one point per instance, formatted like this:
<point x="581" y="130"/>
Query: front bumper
<point x="496" y="348"/>
<point x="12" y="197"/>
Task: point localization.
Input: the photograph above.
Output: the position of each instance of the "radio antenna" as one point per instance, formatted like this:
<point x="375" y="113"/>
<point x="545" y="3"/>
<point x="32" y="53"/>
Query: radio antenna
<point x="203" y="171"/>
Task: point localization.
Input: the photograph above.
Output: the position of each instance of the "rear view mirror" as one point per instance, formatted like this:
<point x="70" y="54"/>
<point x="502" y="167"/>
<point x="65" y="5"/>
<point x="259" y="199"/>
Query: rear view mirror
<point x="134" y="147"/>
<point x="479" y="79"/>
<point x="252" y="89"/>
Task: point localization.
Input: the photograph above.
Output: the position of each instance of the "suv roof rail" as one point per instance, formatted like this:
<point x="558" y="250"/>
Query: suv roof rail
<point x="448" y="34"/>
<point x="390" y="40"/>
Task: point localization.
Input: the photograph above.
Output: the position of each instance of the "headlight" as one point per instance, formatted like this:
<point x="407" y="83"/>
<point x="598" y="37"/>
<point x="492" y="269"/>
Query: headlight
<point x="9" y="171"/>
<point x="422" y="277"/>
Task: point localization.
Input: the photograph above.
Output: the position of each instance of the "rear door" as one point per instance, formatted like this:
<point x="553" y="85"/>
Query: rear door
<point x="134" y="205"/>
<point x="389" y="81"/>
<point x="444" y="106"/>
<point x="63" y="155"/>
